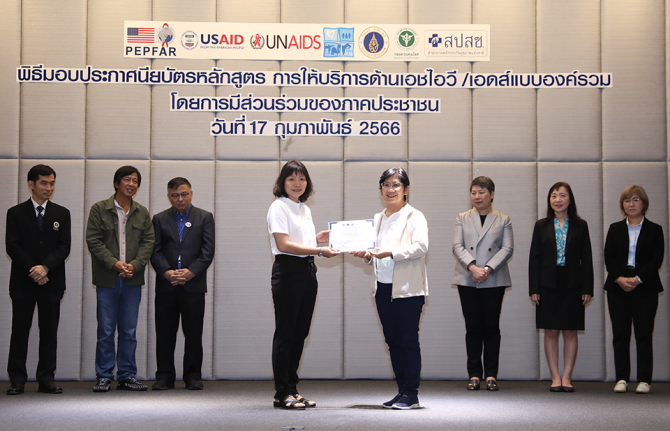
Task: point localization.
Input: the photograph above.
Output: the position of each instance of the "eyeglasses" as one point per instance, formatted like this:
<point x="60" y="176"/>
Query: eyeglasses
<point x="634" y="200"/>
<point x="180" y="195"/>
<point x="391" y="186"/>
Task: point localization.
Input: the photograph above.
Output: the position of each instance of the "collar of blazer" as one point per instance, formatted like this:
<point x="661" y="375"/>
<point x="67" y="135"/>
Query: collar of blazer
<point x="551" y="233"/>
<point x="173" y="222"/>
<point x="473" y="215"/>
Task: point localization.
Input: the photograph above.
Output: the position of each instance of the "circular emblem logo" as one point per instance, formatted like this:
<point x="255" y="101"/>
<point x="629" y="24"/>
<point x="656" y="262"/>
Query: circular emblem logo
<point x="257" y="41"/>
<point x="188" y="224"/>
<point x="165" y="35"/>
<point x="56" y="225"/>
<point x="373" y="42"/>
<point x="406" y="38"/>
<point x="189" y="40"/>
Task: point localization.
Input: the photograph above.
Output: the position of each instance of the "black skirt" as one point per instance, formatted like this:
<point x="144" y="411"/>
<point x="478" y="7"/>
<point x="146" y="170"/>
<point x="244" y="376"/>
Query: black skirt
<point x="560" y="308"/>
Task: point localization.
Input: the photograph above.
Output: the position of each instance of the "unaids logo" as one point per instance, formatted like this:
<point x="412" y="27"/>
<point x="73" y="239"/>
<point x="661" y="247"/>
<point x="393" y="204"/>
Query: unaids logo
<point x="257" y="41"/>
<point x="373" y="42"/>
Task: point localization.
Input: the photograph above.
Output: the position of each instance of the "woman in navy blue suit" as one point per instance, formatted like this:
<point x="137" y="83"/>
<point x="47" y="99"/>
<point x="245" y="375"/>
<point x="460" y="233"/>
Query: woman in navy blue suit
<point x="560" y="281"/>
<point x="634" y="251"/>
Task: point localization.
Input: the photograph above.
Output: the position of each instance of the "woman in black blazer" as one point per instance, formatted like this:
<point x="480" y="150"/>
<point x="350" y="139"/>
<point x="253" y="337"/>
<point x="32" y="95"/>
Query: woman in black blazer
<point x="634" y="251"/>
<point x="560" y="271"/>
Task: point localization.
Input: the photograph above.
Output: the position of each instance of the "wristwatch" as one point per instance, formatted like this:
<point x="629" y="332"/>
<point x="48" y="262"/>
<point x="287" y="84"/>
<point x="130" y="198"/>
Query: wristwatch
<point x="488" y="269"/>
<point x="320" y="251"/>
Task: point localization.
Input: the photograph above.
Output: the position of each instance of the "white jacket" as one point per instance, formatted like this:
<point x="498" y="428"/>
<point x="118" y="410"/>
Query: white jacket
<point x="409" y="255"/>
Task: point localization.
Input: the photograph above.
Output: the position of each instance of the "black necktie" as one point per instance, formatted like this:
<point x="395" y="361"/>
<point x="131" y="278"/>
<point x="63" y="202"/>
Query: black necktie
<point x="40" y="217"/>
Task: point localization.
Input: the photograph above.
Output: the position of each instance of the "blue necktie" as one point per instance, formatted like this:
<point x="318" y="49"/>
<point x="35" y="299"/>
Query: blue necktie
<point x="40" y="217"/>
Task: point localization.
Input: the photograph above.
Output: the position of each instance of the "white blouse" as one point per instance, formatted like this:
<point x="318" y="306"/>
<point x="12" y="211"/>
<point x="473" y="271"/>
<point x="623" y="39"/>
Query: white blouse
<point x="293" y="219"/>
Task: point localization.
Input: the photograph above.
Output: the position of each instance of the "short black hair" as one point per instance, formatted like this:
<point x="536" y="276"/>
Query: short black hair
<point x="175" y="182"/>
<point x="395" y="172"/>
<point x="40" y="170"/>
<point x="124" y="171"/>
<point x="485" y="183"/>
<point x="290" y="168"/>
<point x="572" y="208"/>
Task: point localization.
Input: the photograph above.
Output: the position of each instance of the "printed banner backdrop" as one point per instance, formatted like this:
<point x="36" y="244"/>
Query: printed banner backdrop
<point x="600" y="140"/>
<point x="336" y="42"/>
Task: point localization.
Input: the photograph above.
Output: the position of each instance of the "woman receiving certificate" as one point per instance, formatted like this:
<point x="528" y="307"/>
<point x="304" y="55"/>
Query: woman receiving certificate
<point x="399" y="283"/>
<point x="293" y="241"/>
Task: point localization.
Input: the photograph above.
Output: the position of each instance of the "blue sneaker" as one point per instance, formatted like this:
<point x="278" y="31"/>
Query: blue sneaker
<point x="406" y="402"/>
<point x="389" y="404"/>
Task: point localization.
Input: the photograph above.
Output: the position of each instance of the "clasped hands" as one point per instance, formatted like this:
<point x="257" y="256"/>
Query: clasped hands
<point x="39" y="274"/>
<point x="178" y="276"/>
<point x="125" y="270"/>
<point x="479" y="275"/>
<point x="628" y="284"/>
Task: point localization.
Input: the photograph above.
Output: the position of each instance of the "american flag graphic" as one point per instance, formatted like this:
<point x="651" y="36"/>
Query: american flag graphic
<point x="140" y="35"/>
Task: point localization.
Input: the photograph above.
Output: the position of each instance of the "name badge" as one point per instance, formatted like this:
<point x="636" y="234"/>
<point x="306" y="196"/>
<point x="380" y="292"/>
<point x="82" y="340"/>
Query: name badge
<point x="188" y="224"/>
<point x="56" y="225"/>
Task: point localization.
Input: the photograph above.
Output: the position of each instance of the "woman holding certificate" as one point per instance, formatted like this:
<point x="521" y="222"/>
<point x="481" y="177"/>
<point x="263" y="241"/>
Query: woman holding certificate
<point x="560" y="280"/>
<point x="483" y="244"/>
<point x="293" y="241"/>
<point x="399" y="283"/>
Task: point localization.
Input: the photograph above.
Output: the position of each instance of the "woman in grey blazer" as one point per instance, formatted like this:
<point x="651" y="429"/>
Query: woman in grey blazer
<point x="483" y="243"/>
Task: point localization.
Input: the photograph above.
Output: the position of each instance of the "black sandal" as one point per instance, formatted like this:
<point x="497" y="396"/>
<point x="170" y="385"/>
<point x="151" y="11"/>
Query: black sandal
<point x="305" y="401"/>
<point x="289" y="404"/>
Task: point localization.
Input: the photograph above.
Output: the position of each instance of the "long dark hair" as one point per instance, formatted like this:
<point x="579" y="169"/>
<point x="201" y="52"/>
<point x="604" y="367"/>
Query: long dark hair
<point x="290" y="168"/>
<point x="572" y="208"/>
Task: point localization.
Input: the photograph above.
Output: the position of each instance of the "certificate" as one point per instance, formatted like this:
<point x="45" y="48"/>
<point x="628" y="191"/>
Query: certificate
<point x="352" y="235"/>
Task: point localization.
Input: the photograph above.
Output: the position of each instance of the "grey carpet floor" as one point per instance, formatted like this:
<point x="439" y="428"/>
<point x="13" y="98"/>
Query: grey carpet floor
<point x="342" y="405"/>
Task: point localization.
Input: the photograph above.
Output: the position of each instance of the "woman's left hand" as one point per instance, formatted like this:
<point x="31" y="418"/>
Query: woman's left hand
<point x="379" y="254"/>
<point x="323" y="237"/>
<point x="587" y="298"/>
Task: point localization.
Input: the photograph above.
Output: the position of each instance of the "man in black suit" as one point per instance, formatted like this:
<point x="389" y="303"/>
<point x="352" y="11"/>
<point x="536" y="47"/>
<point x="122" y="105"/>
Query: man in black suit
<point x="183" y="251"/>
<point x="38" y="242"/>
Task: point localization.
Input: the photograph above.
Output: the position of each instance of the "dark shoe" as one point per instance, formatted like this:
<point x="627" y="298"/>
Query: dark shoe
<point x="131" y="384"/>
<point x="473" y="385"/>
<point x="305" y="401"/>
<point x="568" y="388"/>
<point x="406" y="402"/>
<point x="15" y="389"/>
<point x="49" y="388"/>
<point x="162" y="385"/>
<point x="389" y="404"/>
<point x="289" y="403"/>
<point x="491" y="385"/>
<point x="555" y="388"/>
<point x="194" y="385"/>
<point x="103" y="385"/>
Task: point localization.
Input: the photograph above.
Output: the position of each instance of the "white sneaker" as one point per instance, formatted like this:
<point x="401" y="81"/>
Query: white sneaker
<point x="643" y="388"/>
<point x="621" y="386"/>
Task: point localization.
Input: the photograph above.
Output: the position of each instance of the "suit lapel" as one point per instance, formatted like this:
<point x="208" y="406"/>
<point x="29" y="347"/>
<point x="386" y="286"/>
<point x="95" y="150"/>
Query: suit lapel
<point x="641" y="240"/>
<point x="172" y="222"/>
<point x="490" y="219"/>
<point x="474" y="219"/>
<point x="191" y="216"/>
<point x="551" y="233"/>
<point x="30" y="215"/>
<point x="571" y="233"/>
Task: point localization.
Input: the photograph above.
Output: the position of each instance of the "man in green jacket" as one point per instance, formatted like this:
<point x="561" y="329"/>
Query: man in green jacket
<point x="120" y="238"/>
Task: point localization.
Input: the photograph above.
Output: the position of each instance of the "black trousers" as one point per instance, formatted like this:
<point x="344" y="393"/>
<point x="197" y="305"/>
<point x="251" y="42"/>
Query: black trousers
<point x="294" y="288"/>
<point x="400" y="322"/>
<point x="48" y="315"/>
<point x="170" y="306"/>
<point x="481" y="310"/>
<point x="639" y="311"/>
